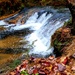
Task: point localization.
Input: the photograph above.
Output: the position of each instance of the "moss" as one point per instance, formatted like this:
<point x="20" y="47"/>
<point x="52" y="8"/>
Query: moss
<point x="15" y="63"/>
<point x="59" y="46"/>
<point x="24" y="72"/>
<point x="68" y="23"/>
<point x="22" y="6"/>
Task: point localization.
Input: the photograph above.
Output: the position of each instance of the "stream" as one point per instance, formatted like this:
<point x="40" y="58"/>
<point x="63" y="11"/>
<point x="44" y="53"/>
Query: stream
<point x="30" y="29"/>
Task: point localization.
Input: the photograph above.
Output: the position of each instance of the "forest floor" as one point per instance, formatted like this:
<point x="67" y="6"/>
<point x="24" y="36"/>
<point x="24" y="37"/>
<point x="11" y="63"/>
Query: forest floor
<point x="62" y="65"/>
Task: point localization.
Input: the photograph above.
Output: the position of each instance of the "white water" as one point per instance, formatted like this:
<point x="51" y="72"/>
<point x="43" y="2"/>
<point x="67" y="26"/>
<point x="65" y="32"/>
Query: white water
<point x="44" y="27"/>
<point x="41" y="37"/>
<point x="2" y="23"/>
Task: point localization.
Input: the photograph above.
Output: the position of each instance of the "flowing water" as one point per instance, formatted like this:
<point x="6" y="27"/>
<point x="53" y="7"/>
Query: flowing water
<point x="35" y="26"/>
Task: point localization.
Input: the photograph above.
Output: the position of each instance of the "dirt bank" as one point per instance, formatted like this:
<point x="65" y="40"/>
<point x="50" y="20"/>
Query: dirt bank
<point x="8" y="7"/>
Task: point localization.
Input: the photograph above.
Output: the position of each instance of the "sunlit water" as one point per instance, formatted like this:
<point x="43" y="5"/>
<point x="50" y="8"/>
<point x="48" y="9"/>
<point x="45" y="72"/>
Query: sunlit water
<point x="43" y="23"/>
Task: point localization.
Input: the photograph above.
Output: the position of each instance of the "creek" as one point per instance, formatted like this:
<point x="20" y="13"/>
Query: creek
<point x="31" y="29"/>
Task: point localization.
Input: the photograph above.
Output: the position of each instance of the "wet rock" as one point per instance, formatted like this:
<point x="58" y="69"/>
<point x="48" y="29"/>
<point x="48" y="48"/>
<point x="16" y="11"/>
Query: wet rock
<point x="5" y="33"/>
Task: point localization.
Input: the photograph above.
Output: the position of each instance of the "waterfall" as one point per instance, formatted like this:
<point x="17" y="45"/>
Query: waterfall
<point x="44" y="27"/>
<point x="44" y="23"/>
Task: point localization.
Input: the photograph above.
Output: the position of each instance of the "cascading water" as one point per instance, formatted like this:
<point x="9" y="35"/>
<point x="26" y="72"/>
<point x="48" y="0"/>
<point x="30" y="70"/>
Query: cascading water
<point x="44" y="27"/>
<point x="44" y="23"/>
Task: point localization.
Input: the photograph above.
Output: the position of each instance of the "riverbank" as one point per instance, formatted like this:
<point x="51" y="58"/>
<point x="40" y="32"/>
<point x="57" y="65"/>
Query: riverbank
<point x="8" y="15"/>
<point x="8" y="7"/>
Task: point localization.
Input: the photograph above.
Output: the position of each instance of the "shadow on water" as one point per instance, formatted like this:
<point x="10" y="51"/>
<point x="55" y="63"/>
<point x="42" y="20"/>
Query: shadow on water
<point x="6" y="33"/>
